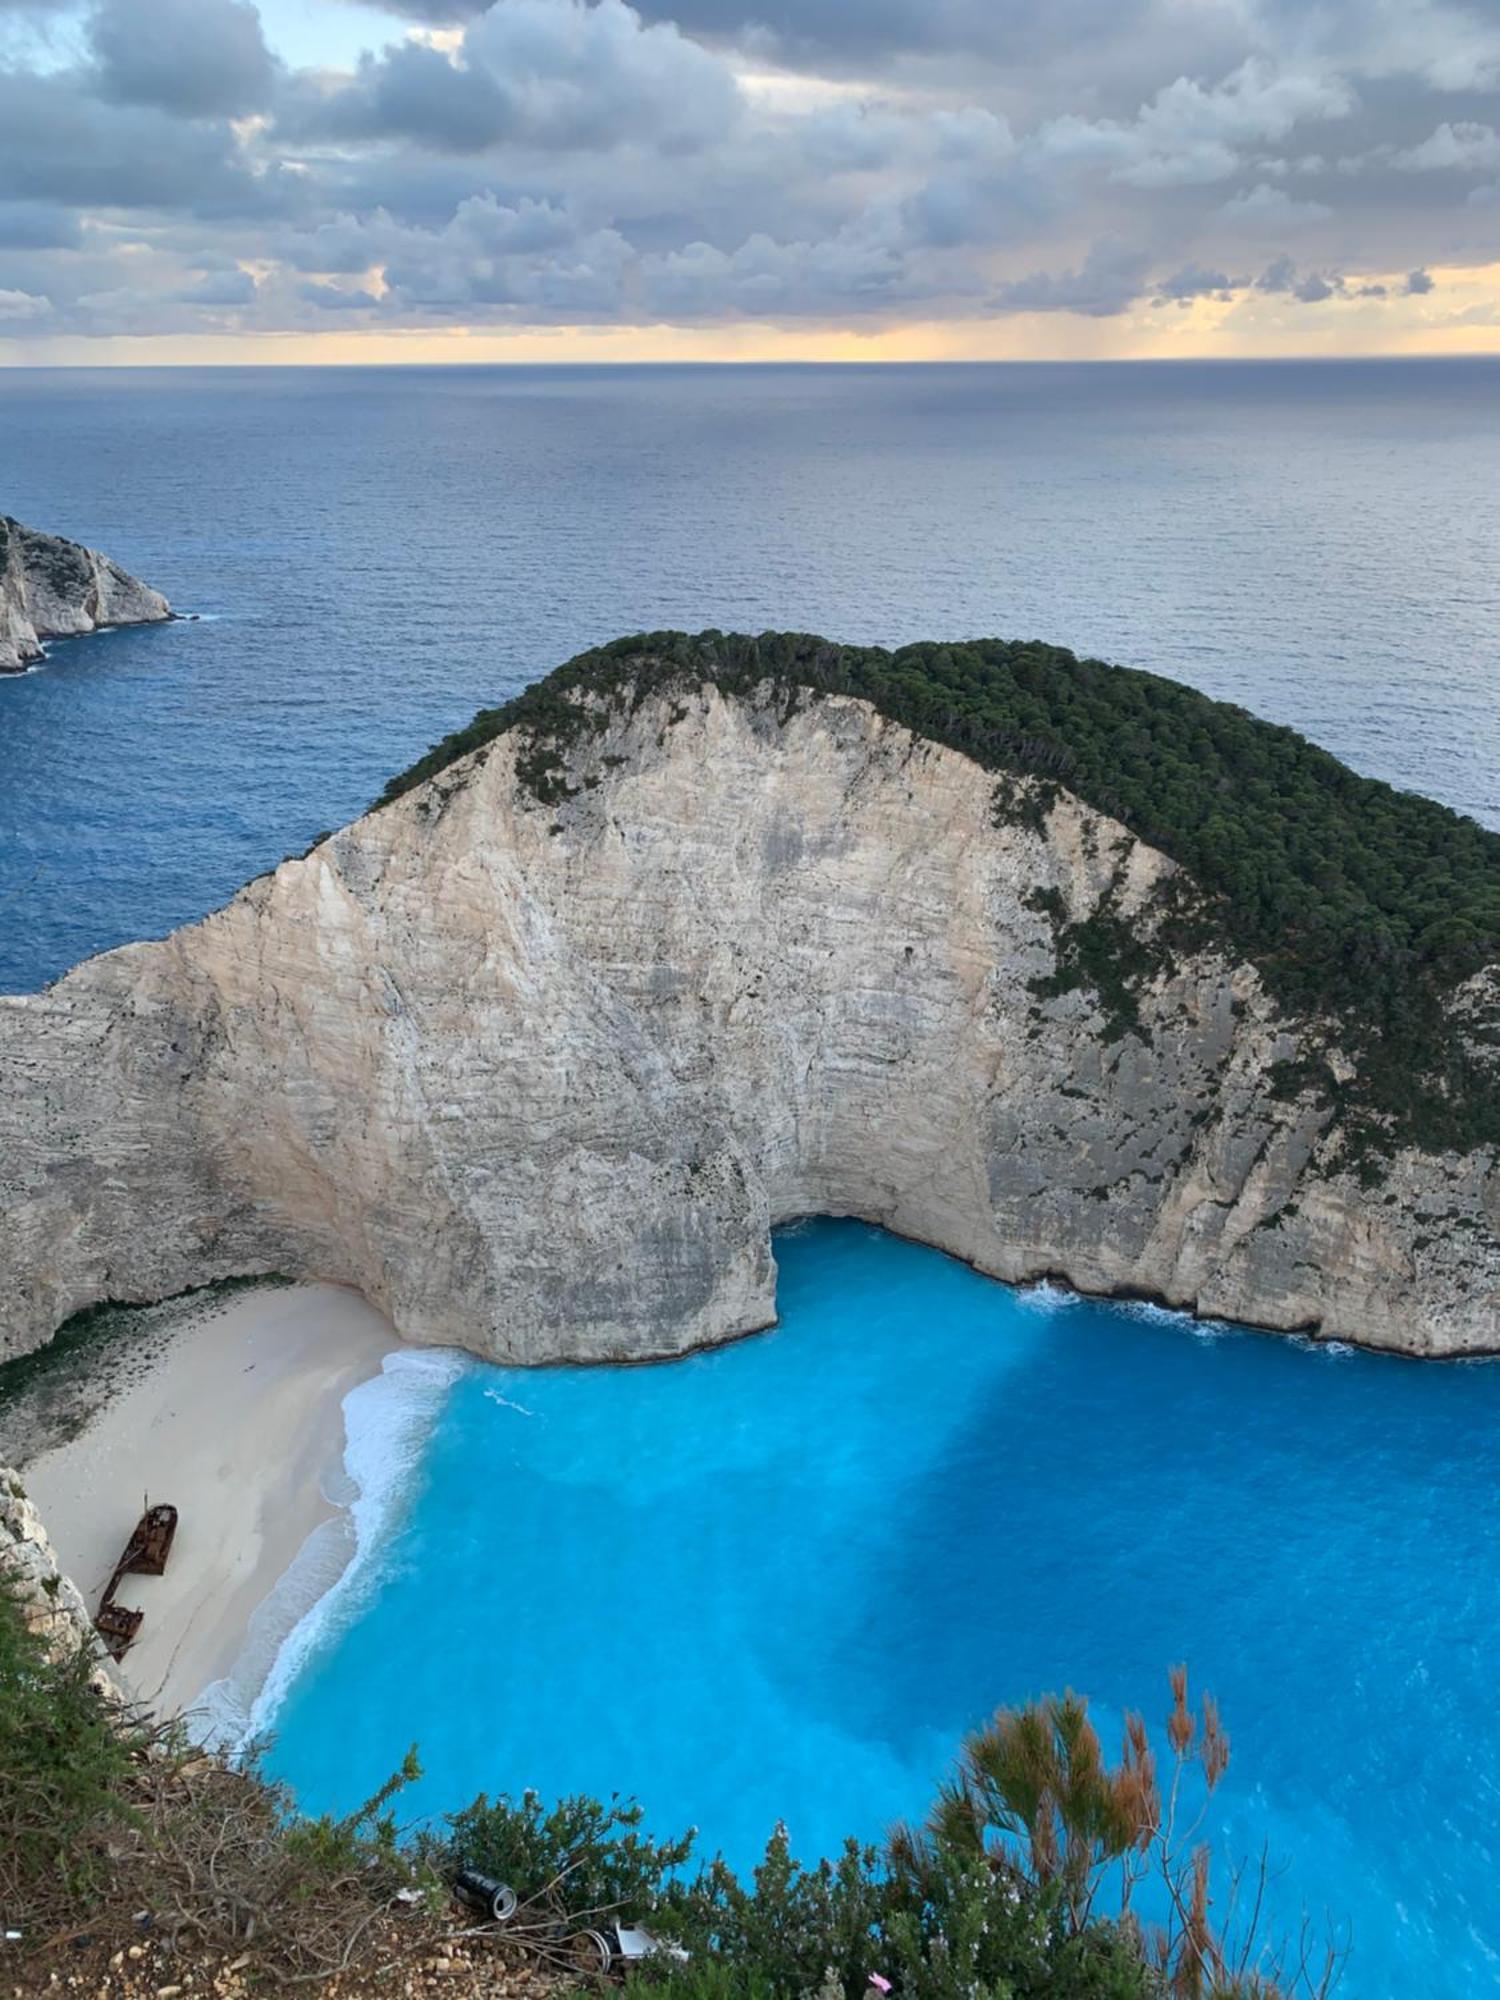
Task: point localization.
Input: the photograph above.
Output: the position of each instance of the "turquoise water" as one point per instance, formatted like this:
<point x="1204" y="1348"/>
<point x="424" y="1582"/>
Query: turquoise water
<point x="780" y="1580"/>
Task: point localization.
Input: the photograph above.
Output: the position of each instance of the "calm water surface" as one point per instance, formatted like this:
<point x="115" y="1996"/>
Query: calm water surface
<point x="781" y="1579"/>
<point x="382" y="552"/>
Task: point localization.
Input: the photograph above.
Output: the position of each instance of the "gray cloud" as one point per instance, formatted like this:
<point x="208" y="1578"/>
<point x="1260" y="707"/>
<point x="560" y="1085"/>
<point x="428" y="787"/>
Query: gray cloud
<point x="1313" y="287"/>
<point x="1010" y="33"/>
<point x="1109" y="280"/>
<point x="1194" y="282"/>
<point x="1267" y="210"/>
<point x="566" y="74"/>
<point x="59" y="143"/>
<point x="203" y="58"/>
<point x="1308" y="287"/>
<point x="440" y="13"/>
<point x="219" y="288"/>
<point x="558" y="160"/>
<point x="337" y="298"/>
<point x="29" y="226"/>
<point x="1462" y="147"/>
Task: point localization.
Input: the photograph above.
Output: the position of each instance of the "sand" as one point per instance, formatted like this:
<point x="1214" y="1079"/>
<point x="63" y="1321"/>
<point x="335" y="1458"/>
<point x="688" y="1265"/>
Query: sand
<point x="236" y="1418"/>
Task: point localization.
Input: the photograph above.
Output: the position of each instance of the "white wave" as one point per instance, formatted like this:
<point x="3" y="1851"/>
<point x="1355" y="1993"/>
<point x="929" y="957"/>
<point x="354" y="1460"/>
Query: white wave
<point x="1046" y="1297"/>
<point x="494" y="1396"/>
<point x="387" y="1423"/>
<point x="1155" y="1314"/>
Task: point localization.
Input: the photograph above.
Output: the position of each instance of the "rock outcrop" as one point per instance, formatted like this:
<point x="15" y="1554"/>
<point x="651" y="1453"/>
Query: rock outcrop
<point x="52" y="589"/>
<point x="50" y="1603"/>
<point x="539" y="1078"/>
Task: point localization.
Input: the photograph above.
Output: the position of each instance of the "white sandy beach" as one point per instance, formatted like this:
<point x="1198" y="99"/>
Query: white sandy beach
<point x="238" y="1422"/>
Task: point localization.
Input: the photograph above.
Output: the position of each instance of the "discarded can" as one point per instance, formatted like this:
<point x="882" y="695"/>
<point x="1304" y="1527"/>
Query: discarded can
<point x="483" y="1892"/>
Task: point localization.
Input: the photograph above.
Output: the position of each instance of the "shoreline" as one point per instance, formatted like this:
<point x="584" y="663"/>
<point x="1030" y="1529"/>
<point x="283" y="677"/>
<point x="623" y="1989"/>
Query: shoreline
<point x="236" y="1416"/>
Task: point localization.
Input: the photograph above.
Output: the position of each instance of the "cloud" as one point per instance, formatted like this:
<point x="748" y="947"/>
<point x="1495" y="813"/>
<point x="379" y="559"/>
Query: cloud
<point x="203" y="58"/>
<point x="585" y="75"/>
<point x="59" y="143"/>
<point x="693" y="161"/>
<point x="1265" y="208"/>
<point x="530" y="255"/>
<point x="440" y="13"/>
<point x="219" y="288"/>
<point x="1449" y="45"/>
<point x="1314" y="287"/>
<point x="1464" y="147"/>
<point x="15" y="306"/>
<point x="336" y="298"/>
<point x="1108" y="281"/>
<point x="1189" y="135"/>
<point x="946" y="35"/>
<point x="345" y="245"/>
<point x="1194" y="282"/>
<point x="1282" y="276"/>
<point x="863" y="267"/>
<point x="30" y="226"/>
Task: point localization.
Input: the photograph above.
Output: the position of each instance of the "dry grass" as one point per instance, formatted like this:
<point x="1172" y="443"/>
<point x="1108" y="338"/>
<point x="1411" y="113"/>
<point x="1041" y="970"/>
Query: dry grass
<point x="199" y="1882"/>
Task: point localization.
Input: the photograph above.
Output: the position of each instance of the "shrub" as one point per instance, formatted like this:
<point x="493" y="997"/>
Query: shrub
<point x="64" y="1764"/>
<point x="791" y="1925"/>
<point x="583" y="1855"/>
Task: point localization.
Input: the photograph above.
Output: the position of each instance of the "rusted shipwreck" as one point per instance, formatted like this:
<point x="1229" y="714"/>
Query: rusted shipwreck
<point x="145" y="1555"/>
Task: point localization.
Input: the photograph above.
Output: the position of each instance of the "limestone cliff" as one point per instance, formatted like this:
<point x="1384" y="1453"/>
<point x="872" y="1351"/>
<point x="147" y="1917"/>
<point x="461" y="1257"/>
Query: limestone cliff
<point x="52" y="589"/>
<point x="539" y="1078"/>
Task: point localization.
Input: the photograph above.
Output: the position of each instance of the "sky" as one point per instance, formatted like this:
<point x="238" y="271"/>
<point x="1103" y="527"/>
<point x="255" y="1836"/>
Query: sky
<point x="481" y="180"/>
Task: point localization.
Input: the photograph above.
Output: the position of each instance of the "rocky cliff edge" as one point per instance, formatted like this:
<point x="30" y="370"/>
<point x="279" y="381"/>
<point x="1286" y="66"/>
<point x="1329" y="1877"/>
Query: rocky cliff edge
<point x="539" y="1074"/>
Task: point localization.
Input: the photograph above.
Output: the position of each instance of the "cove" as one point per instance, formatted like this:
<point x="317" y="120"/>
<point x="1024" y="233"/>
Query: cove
<point x="778" y="1580"/>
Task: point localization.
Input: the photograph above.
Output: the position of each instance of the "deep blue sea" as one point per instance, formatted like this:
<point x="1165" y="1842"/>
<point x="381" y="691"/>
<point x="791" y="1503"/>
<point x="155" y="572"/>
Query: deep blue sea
<point x="382" y="552"/>
<point x="781" y="1579"/>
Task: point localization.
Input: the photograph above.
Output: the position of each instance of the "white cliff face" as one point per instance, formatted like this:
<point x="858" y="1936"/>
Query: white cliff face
<point x="540" y="1079"/>
<point x="52" y="589"/>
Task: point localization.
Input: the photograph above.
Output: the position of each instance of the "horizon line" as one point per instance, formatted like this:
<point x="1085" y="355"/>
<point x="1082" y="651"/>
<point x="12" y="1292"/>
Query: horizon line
<point x="707" y="364"/>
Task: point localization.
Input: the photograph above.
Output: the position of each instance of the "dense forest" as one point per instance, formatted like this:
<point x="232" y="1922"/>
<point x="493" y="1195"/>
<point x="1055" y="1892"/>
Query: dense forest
<point x="1358" y="902"/>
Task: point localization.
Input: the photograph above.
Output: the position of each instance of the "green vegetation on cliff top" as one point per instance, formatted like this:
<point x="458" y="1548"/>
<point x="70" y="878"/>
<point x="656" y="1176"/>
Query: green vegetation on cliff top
<point x="1356" y="901"/>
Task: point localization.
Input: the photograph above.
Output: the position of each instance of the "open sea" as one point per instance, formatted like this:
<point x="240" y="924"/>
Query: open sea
<point x="780" y="1580"/>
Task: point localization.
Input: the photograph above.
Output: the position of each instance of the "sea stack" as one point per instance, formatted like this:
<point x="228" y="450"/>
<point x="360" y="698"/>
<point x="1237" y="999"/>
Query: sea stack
<point x="55" y="589"/>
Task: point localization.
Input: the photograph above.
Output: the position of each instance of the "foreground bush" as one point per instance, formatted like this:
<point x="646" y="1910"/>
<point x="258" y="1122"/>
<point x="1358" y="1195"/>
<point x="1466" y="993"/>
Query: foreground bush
<point x="65" y="1766"/>
<point x="587" y="1856"/>
<point x="120" y="1833"/>
<point x="1043" y="1873"/>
